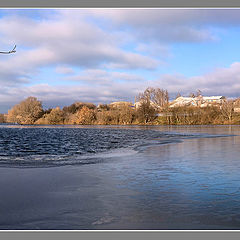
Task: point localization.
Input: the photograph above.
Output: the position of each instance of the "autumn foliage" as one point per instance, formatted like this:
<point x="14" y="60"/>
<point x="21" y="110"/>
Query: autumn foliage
<point x="26" y="112"/>
<point x="84" y="116"/>
<point x="152" y="108"/>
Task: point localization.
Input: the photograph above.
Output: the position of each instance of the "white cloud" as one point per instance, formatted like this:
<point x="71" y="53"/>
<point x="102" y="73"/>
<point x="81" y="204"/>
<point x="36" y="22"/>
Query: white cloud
<point x="64" y="70"/>
<point x="171" y="25"/>
<point x="68" y="40"/>
<point x="103" y="77"/>
<point x="103" y="88"/>
<point x="101" y="43"/>
<point x="221" y="81"/>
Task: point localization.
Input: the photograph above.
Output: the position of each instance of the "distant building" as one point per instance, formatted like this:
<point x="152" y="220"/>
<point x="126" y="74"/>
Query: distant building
<point x="198" y="101"/>
<point x="182" y="101"/>
<point x="137" y="105"/>
<point x="120" y="104"/>
<point x="214" y="99"/>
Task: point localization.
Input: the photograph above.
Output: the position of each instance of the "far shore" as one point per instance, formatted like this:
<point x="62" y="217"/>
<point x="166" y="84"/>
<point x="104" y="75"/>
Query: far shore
<point x="139" y="124"/>
<point x="147" y="111"/>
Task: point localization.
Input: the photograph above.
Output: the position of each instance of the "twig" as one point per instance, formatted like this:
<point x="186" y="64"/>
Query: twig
<point x="12" y="51"/>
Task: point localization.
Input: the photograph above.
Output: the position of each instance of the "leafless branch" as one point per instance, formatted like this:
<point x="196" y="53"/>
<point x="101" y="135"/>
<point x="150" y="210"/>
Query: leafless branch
<point x="12" y="51"/>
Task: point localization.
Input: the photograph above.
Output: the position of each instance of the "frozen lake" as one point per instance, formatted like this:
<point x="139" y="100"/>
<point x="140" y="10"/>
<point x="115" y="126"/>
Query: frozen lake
<point x="114" y="177"/>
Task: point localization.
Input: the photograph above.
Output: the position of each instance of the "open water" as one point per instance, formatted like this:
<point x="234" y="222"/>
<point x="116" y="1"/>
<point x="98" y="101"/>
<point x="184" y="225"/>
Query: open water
<point x="115" y="177"/>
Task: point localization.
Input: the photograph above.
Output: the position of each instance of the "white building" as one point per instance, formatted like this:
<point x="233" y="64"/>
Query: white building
<point x="214" y="99"/>
<point x="120" y="104"/>
<point x="197" y="101"/>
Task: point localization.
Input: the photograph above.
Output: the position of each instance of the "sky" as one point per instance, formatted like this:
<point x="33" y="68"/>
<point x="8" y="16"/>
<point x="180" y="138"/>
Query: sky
<point x="101" y="55"/>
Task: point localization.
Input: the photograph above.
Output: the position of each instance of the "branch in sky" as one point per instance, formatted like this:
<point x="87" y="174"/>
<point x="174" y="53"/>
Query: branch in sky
<point x="12" y="51"/>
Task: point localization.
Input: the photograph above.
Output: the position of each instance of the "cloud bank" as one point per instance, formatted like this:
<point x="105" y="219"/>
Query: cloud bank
<point x="104" y="55"/>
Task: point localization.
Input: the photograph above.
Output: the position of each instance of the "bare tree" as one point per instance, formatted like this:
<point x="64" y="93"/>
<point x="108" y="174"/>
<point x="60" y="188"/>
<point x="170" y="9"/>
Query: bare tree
<point x="146" y="113"/>
<point x="12" y="51"/>
<point x="192" y="95"/>
<point x="227" y="109"/>
<point x="178" y="95"/>
<point x="154" y="96"/>
<point x="160" y="97"/>
<point x="151" y="100"/>
<point x="199" y="93"/>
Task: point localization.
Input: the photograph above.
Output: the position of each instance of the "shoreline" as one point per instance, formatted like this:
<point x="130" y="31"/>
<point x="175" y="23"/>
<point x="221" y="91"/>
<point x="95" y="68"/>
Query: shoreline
<point x="149" y="124"/>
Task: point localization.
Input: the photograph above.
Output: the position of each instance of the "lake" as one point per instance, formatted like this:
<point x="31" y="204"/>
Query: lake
<point x="119" y="177"/>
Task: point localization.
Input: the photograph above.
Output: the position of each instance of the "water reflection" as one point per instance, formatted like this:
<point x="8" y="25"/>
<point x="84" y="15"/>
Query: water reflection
<point x="192" y="184"/>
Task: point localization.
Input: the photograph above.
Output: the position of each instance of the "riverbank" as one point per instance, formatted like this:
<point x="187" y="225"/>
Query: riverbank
<point x="30" y="111"/>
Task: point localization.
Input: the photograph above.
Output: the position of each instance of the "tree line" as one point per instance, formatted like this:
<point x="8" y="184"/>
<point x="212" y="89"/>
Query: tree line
<point x="152" y="107"/>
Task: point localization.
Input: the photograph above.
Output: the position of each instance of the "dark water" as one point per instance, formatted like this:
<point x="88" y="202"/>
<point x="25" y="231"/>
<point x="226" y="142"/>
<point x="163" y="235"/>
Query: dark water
<point x="120" y="177"/>
<point x="29" y="146"/>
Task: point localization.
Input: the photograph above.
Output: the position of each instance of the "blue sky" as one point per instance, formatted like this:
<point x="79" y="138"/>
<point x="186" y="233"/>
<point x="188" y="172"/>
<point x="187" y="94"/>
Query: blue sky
<point x="105" y="55"/>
